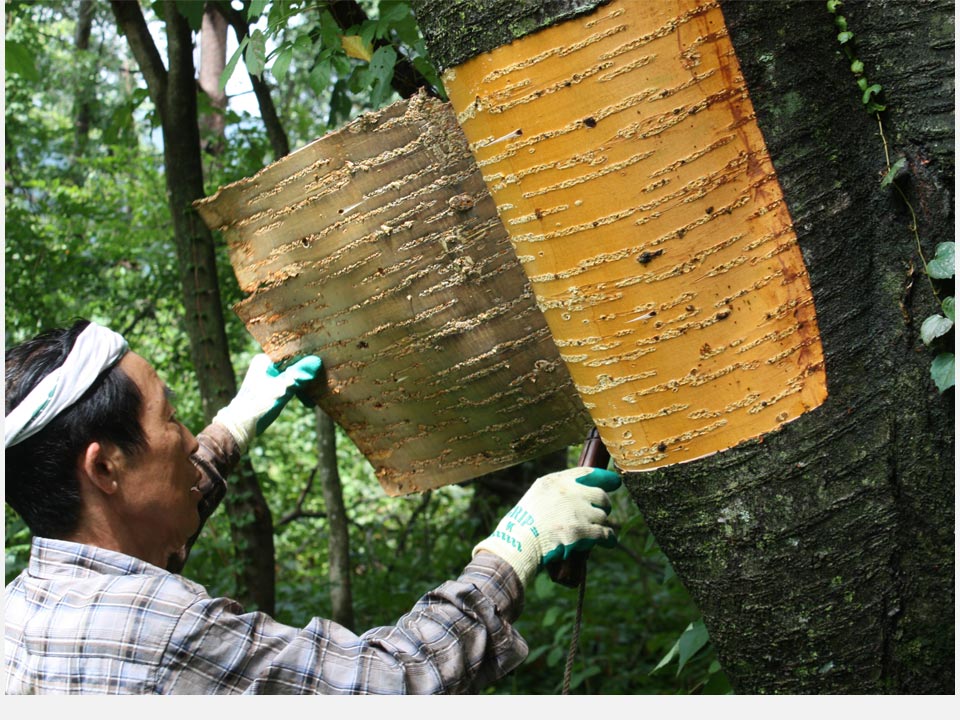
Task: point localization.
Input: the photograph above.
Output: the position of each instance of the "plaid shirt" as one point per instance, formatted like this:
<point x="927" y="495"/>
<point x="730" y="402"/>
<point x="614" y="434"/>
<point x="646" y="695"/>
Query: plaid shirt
<point x="81" y="619"/>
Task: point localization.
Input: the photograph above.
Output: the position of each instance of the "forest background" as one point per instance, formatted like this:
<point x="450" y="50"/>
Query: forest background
<point x="88" y="233"/>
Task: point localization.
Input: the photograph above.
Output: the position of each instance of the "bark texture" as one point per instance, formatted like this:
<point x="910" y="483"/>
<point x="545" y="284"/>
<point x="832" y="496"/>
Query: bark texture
<point x="822" y="554"/>
<point x="457" y="30"/>
<point x="379" y="249"/>
<point x="623" y="154"/>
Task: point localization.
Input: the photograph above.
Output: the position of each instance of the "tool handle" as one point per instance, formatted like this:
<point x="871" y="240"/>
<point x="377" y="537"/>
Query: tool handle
<point x="573" y="570"/>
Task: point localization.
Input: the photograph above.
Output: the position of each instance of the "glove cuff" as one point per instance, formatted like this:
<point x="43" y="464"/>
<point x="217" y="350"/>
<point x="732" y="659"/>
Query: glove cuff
<point x="241" y="432"/>
<point x="524" y="561"/>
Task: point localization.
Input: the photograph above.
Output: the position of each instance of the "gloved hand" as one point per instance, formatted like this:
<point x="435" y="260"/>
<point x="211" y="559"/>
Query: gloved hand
<point x="561" y="513"/>
<point x="264" y="392"/>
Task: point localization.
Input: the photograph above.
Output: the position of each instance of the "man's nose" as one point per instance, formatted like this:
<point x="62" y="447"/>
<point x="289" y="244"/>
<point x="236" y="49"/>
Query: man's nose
<point x="192" y="443"/>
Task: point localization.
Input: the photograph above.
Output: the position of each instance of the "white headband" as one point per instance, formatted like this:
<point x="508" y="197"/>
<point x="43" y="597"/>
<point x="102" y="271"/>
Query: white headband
<point x="95" y="350"/>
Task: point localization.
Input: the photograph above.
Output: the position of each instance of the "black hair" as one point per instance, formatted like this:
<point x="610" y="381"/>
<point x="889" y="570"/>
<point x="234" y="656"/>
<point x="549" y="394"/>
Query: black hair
<point x="41" y="472"/>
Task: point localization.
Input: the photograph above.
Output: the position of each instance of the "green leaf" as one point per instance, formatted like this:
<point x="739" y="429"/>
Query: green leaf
<point x="894" y="172"/>
<point x="193" y="12"/>
<point x="550" y="617"/>
<point x="256" y="55"/>
<point x="578" y="677"/>
<point x="933" y="327"/>
<point x="856" y="67"/>
<point x="845" y="37"/>
<point x="942" y="372"/>
<point x="870" y="92"/>
<point x="943" y="264"/>
<point x="948" y="307"/>
<point x="834" y="5"/>
<point x="280" y="65"/>
<point x="255" y="10"/>
<point x="319" y="77"/>
<point x="381" y="72"/>
<point x="665" y="660"/>
<point x="20" y="61"/>
<point x="690" y="643"/>
<point x="841" y="22"/>
<point x="232" y="63"/>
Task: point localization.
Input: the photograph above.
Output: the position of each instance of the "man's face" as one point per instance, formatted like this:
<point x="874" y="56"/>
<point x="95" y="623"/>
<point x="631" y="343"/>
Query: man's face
<point x="158" y="496"/>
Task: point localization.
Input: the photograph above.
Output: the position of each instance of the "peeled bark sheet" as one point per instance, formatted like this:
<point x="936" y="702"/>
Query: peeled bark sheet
<point x="623" y="154"/>
<point x="378" y="248"/>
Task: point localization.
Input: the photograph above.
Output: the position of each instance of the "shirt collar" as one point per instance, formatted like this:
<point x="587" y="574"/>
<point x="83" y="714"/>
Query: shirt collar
<point x="49" y="558"/>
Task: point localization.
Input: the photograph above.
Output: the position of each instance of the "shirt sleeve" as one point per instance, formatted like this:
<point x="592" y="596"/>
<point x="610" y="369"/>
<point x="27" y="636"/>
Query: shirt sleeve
<point x="217" y="455"/>
<point x="456" y="639"/>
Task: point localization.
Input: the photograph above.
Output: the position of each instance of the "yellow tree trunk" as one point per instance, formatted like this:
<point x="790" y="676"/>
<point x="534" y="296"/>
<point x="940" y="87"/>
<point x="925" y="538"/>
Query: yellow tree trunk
<point x="625" y="161"/>
<point x="379" y="249"/>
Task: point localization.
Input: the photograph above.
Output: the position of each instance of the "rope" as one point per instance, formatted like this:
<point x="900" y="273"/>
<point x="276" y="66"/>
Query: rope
<point x="575" y="640"/>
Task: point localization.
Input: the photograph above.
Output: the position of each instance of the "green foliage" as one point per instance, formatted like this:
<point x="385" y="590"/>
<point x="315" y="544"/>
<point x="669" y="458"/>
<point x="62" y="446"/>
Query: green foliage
<point x="340" y="65"/>
<point x="870" y="92"/>
<point x="937" y="329"/>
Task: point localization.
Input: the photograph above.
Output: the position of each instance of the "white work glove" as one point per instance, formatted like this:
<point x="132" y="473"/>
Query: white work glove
<point x="561" y="513"/>
<point x="264" y="392"/>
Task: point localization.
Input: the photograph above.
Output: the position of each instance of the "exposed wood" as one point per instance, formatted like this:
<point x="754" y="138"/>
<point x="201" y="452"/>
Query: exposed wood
<point x="623" y="154"/>
<point x="379" y="249"/>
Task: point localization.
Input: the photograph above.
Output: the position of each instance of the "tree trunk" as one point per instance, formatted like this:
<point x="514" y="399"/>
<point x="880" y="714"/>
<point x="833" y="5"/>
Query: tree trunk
<point x="341" y="595"/>
<point x="174" y="94"/>
<point x="213" y="60"/>
<point x="85" y="90"/>
<point x="821" y="551"/>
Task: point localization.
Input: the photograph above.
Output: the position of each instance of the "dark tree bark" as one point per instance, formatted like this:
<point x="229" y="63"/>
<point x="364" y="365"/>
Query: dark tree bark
<point x="82" y="103"/>
<point x="174" y="93"/>
<point x="822" y="554"/>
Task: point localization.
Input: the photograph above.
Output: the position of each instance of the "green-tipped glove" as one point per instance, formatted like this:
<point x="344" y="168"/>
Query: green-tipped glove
<point x="561" y="513"/>
<point x="264" y="392"/>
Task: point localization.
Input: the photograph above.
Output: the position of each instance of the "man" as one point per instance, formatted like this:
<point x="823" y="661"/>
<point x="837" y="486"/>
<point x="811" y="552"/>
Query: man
<point x="114" y="488"/>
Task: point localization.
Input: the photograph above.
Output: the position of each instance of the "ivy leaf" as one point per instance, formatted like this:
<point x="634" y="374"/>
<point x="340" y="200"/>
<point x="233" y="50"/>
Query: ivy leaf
<point x="256" y="55"/>
<point x="943" y="264"/>
<point x="894" y="172"/>
<point x="942" y="371"/>
<point x="948" y="307"/>
<point x="870" y="92"/>
<point x="933" y="327"/>
<point x="355" y="47"/>
<point x="232" y="63"/>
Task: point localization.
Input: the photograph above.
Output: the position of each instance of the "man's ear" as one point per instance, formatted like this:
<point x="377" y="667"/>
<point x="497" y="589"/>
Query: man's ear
<point x="102" y="464"/>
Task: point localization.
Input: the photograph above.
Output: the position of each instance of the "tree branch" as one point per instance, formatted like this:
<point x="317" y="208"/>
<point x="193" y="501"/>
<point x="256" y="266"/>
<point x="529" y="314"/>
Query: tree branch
<point x="132" y="24"/>
<point x="298" y="511"/>
<point x="268" y="111"/>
